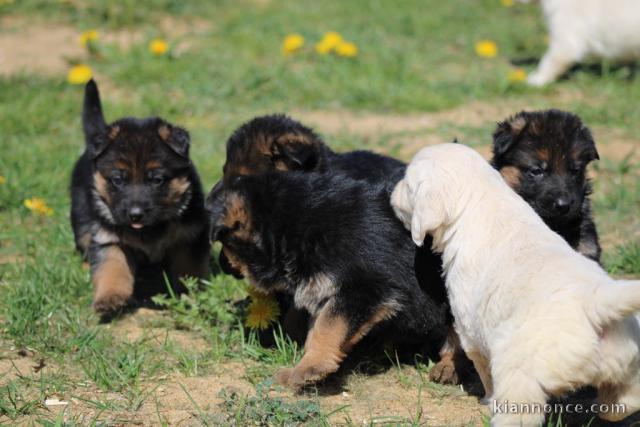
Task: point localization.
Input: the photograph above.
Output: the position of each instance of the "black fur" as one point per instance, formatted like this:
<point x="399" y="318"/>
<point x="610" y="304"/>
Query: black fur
<point x="295" y="227"/>
<point x="134" y="191"/>
<point x="544" y="157"/>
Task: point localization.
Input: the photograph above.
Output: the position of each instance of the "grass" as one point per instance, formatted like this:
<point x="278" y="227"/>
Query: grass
<point x="225" y="66"/>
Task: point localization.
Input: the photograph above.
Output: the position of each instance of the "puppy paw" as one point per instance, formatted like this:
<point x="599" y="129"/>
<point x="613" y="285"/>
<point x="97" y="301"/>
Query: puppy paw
<point x="298" y="377"/>
<point x="537" y="80"/>
<point x="109" y="305"/>
<point x="444" y="372"/>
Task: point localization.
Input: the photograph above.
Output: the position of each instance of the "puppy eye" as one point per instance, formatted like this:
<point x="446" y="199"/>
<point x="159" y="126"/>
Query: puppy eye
<point x="157" y="180"/>
<point x="117" y="181"/>
<point x="536" y="172"/>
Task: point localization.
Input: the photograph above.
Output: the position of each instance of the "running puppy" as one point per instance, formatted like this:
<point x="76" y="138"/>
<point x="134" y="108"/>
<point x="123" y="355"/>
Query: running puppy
<point x="584" y="29"/>
<point x="334" y="244"/>
<point x="137" y="207"/>
<point x="543" y="156"/>
<point x="536" y="318"/>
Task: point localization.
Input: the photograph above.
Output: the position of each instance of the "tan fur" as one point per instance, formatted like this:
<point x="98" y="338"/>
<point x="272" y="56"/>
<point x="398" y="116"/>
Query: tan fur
<point x="84" y="242"/>
<point x="164" y="132"/>
<point x="324" y="350"/>
<point x="152" y="164"/>
<point x="237" y="264"/>
<point x="112" y="281"/>
<point x="100" y="184"/>
<point x="289" y="138"/>
<point x="113" y="132"/>
<point x="517" y="125"/>
<point x="543" y="154"/>
<point x="237" y="217"/>
<point x="511" y="175"/>
<point x="177" y="187"/>
<point x="384" y="312"/>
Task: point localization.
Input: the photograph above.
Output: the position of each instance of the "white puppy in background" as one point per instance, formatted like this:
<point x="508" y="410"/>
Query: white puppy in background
<point x="583" y="29"/>
<point x="536" y="318"/>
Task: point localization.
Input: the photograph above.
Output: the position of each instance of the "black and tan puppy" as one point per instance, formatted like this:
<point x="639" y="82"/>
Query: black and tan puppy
<point x="543" y="155"/>
<point x="137" y="207"/>
<point x="279" y="143"/>
<point x="334" y="245"/>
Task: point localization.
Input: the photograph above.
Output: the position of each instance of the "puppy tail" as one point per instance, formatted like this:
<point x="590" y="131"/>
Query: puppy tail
<point x="617" y="300"/>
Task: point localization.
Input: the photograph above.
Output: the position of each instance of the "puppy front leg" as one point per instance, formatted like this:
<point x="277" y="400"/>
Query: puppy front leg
<point x="112" y="279"/>
<point x="484" y="372"/>
<point x="552" y="65"/>
<point x="445" y="371"/>
<point x="331" y="337"/>
<point x="324" y="350"/>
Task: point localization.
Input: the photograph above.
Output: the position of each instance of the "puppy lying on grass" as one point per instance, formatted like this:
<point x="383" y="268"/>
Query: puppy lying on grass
<point x="335" y="245"/>
<point x="536" y="318"/>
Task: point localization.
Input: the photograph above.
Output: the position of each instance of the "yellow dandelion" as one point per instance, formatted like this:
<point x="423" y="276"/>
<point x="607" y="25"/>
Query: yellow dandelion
<point x="88" y="36"/>
<point x="516" y="76"/>
<point x="79" y="74"/>
<point x="2" y="180"/>
<point x="262" y="312"/>
<point x="38" y="206"/>
<point x="507" y="3"/>
<point x="292" y="44"/>
<point x="486" y="49"/>
<point x="347" y="49"/>
<point x="158" y="47"/>
<point x="329" y="42"/>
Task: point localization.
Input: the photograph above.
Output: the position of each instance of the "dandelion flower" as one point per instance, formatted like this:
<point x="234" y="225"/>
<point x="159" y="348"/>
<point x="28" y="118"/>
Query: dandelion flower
<point x="516" y="76"/>
<point x="38" y="206"/>
<point x="88" y="36"/>
<point x="329" y="42"/>
<point x="347" y="49"/>
<point x="2" y="180"/>
<point x="262" y="312"/>
<point x="79" y="74"/>
<point x="158" y="47"/>
<point x="486" y="49"/>
<point x="292" y="44"/>
<point x="507" y="3"/>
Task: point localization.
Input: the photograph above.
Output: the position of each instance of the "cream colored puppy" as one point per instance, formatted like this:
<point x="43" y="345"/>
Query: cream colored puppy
<point x="536" y="318"/>
<point x="583" y="29"/>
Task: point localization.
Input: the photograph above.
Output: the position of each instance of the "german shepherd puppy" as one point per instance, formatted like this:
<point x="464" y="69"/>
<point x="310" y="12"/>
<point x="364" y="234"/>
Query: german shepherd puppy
<point x="333" y="244"/>
<point x="279" y="143"/>
<point x="137" y="207"/>
<point x="543" y="156"/>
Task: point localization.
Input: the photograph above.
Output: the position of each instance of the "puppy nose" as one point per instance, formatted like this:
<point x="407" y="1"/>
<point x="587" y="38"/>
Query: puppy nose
<point x="561" y="204"/>
<point x="135" y="214"/>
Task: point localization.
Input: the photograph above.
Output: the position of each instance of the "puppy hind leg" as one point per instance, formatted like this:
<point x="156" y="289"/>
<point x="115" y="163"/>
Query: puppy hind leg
<point x="518" y="399"/>
<point x="553" y="64"/>
<point x="481" y="363"/>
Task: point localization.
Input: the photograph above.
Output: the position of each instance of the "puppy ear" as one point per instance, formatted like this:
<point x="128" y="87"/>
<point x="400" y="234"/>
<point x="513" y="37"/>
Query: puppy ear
<point x="507" y="134"/>
<point x="428" y="214"/>
<point x="176" y="138"/>
<point x="590" y="151"/>
<point x="401" y="203"/>
<point x="93" y="123"/>
<point x="298" y="151"/>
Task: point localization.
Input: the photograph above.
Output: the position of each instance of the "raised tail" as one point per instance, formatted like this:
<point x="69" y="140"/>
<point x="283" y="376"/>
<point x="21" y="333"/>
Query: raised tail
<point x="616" y="300"/>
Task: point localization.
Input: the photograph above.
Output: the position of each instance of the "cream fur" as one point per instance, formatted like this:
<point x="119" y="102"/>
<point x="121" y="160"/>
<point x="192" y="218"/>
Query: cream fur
<point x="583" y="29"/>
<point x="537" y="318"/>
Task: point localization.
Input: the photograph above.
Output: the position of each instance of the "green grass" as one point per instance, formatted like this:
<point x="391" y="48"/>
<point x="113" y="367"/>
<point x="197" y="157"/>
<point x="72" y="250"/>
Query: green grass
<point x="224" y="67"/>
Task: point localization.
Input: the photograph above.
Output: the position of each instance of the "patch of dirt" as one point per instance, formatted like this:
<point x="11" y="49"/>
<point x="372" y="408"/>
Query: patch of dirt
<point x="376" y="124"/>
<point x="48" y="48"/>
